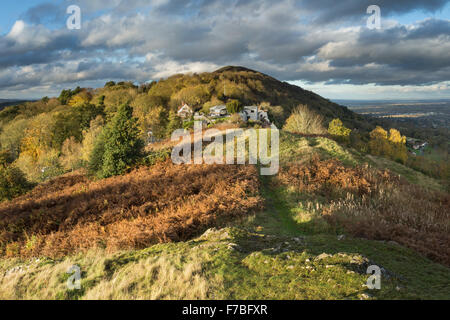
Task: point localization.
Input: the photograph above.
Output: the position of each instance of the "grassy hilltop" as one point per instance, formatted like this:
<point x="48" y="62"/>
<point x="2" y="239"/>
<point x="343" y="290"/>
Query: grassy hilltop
<point x="162" y="231"/>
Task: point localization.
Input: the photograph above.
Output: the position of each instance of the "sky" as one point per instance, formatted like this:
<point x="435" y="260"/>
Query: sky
<point x="322" y="45"/>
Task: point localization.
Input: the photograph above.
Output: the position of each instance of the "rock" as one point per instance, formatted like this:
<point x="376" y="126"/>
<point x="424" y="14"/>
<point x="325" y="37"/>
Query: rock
<point x="365" y="296"/>
<point x="215" y="234"/>
<point x="322" y="256"/>
<point x="341" y="237"/>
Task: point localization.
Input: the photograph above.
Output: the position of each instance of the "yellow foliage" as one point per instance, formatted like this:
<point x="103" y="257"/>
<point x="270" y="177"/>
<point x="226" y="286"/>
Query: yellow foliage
<point x="80" y="99"/>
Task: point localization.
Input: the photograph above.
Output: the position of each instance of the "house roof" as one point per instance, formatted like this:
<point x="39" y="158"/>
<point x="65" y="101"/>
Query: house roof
<point x="218" y="107"/>
<point x="185" y="107"/>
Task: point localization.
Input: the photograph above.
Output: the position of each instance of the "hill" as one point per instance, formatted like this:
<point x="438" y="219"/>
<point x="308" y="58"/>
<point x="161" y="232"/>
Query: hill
<point x="156" y="230"/>
<point x="222" y="232"/>
<point x="250" y="87"/>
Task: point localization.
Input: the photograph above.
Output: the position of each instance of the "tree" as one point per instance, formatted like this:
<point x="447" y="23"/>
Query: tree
<point x="234" y="106"/>
<point x="378" y="143"/>
<point x="175" y="123"/>
<point x="71" y="154"/>
<point x="114" y="99"/>
<point x="157" y="122"/>
<point x="12" y="134"/>
<point x="12" y="183"/>
<point x="398" y="142"/>
<point x="80" y="99"/>
<point x="337" y="129"/>
<point x="95" y="164"/>
<point x="122" y="146"/>
<point x="304" y="121"/>
<point x="72" y="122"/>
<point x="65" y="95"/>
<point x="392" y="145"/>
<point x="89" y="138"/>
<point x="396" y="137"/>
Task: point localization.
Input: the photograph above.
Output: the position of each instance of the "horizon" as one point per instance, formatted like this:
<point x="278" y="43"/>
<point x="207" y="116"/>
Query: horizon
<point x="330" y="50"/>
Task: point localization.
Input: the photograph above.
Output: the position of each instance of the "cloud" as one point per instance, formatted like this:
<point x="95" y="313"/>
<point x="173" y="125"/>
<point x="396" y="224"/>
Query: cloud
<point x="292" y="40"/>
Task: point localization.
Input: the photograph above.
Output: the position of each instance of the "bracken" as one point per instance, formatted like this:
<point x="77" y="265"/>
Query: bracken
<point x="162" y="203"/>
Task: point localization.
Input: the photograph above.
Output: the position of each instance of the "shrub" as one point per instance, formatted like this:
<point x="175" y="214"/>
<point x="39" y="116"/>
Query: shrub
<point x="12" y="182"/>
<point x="305" y="121"/>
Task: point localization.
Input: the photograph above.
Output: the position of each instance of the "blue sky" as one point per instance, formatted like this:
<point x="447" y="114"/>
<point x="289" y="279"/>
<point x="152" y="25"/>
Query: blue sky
<point x="322" y="46"/>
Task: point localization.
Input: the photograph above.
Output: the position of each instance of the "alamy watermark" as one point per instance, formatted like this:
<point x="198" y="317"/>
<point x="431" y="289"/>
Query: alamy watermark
<point x="374" y="281"/>
<point x="374" y="21"/>
<point x="74" y="20"/>
<point x="263" y="147"/>
<point x="74" y="281"/>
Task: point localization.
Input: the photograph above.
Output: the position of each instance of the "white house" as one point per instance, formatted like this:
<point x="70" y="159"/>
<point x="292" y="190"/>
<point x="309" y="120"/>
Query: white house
<point x="185" y="112"/>
<point x="218" y="111"/>
<point x="263" y="116"/>
<point x="251" y="113"/>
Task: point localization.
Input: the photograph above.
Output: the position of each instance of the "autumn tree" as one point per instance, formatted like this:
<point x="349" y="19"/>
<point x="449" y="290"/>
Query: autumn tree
<point x="71" y="154"/>
<point x="80" y="99"/>
<point x="398" y="142"/>
<point x="391" y="145"/>
<point x="337" y="129"/>
<point x="89" y="138"/>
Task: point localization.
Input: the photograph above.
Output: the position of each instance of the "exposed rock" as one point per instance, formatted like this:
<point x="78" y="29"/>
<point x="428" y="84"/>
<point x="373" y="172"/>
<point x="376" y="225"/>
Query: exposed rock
<point x="322" y="256"/>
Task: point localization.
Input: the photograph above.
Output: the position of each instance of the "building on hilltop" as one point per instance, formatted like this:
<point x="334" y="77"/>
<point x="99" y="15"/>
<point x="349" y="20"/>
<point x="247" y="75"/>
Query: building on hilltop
<point x="185" y="111"/>
<point x="218" y="111"/>
<point x="253" y="113"/>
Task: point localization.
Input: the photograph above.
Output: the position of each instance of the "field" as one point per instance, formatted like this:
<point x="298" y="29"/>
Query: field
<point x="422" y="113"/>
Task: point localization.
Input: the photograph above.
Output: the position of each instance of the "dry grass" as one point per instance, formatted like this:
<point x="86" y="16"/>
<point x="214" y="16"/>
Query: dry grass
<point x="156" y="278"/>
<point x="377" y="205"/>
<point x="175" y="276"/>
<point x="330" y="178"/>
<point x="163" y="203"/>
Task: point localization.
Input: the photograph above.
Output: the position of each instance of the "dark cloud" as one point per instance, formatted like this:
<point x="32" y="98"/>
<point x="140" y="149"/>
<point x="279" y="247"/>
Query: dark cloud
<point x="327" y="11"/>
<point x="292" y="40"/>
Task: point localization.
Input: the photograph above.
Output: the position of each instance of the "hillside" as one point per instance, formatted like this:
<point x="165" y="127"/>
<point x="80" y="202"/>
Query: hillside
<point x="146" y="235"/>
<point x="78" y="188"/>
<point x="250" y="87"/>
